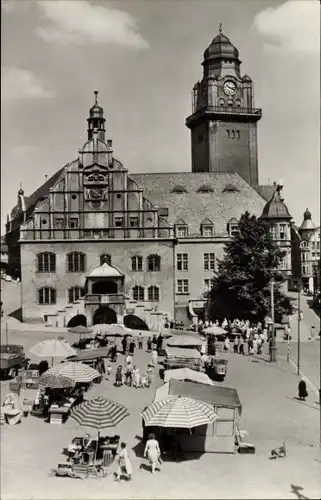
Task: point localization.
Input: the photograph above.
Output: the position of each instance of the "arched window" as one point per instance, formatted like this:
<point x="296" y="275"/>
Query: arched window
<point x="76" y="262"/>
<point x="105" y="258"/>
<point x="153" y="263"/>
<point x="138" y="292"/>
<point x="46" y="262"/>
<point x="47" y="295"/>
<point x="74" y="293"/>
<point x="137" y="263"/>
<point x="153" y="293"/>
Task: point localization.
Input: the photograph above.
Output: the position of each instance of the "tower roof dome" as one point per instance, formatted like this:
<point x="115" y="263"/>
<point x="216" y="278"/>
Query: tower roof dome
<point x="307" y="220"/>
<point x="221" y="48"/>
<point x="275" y="207"/>
<point x="96" y="111"/>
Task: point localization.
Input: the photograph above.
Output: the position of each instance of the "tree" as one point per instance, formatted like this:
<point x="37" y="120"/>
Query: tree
<point x="241" y="286"/>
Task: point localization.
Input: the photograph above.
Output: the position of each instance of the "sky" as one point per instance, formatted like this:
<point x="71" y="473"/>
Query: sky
<point x="144" y="56"/>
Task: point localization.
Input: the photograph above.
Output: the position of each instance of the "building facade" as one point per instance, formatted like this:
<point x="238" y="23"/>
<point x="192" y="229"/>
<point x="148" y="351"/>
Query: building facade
<point x="309" y="253"/>
<point x="97" y="244"/>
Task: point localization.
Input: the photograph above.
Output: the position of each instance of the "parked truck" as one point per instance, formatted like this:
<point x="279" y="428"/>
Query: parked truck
<point x="11" y="360"/>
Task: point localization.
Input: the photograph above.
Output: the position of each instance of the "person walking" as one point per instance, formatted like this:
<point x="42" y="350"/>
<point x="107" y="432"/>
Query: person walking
<point x="124" y="345"/>
<point x="149" y="374"/>
<point x="132" y="346"/>
<point x="136" y="377"/>
<point x="119" y="376"/>
<point x="154" y="357"/>
<point x="241" y="345"/>
<point x="152" y="452"/>
<point x="159" y="343"/>
<point x="154" y="342"/>
<point x="236" y="345"/>
<point x="140" y="341"/>
<point x="124" y="463"/>
<point x="149" y="344"/>
<point x="226" y="344"/>
<point x="302" y="389"/>
<point x="108" y="372"/>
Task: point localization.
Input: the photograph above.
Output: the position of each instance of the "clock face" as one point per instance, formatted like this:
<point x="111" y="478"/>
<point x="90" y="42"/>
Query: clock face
<point x="229" y="87"/>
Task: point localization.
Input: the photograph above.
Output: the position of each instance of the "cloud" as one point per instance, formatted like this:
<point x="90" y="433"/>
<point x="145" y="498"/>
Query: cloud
<point x="17" y="83"/>
<point x="80" y="22"/>
<point x="293" y="26"/>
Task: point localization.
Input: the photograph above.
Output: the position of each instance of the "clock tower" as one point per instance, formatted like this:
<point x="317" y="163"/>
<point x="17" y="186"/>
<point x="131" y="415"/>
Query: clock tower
<point x="224" y="120"/>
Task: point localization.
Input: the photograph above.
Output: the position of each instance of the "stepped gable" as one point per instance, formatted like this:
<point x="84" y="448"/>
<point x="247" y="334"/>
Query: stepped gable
<point x="194" y="206"/>
<point x="32" y="200"/>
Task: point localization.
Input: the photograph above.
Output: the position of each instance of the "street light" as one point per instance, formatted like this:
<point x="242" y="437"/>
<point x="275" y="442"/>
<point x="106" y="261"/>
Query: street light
<point x="298" y="286"/>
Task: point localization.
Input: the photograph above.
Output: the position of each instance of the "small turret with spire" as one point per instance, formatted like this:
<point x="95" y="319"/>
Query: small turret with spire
<point x="96" y="120"/>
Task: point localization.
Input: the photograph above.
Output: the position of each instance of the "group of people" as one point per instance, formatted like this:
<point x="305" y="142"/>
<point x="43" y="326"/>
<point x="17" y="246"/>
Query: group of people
<point x="130" y="374"/>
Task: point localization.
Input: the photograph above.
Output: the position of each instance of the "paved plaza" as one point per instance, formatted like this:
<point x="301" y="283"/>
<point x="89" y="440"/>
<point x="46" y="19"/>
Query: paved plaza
<point x="271" y="415"/>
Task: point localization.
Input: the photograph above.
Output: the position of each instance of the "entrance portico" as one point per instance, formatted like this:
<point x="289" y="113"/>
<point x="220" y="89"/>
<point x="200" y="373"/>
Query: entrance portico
<point x="105" y="299"/>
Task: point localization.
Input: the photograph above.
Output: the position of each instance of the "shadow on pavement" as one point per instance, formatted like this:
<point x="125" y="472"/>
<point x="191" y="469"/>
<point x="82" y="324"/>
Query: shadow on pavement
<point x="295" y="399"/>
<point x="296" y="491"/>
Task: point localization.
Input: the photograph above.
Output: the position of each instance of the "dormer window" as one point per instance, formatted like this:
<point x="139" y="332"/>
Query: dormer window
<point x="282" y="231"/>
<point x="181" y="231"/>
<point x="233" y="228"/>
<point x="179" y="189"/>
<point x="273" y="232"/>
<point x="207" y="228"/>
<point x="229" y="188"/>
<point x="205" y="189"/>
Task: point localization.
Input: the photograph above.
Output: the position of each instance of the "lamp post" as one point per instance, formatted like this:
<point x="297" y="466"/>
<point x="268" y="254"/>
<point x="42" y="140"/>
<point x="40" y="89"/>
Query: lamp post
<point x="273" y="354"/>
<point x="298" y="287"/>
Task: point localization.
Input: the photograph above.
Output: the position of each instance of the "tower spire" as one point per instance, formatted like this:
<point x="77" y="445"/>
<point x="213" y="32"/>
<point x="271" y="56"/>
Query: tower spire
<point x="96" y="97"/>
<point x="96" y="120"/>
<point x="220" y="28"/>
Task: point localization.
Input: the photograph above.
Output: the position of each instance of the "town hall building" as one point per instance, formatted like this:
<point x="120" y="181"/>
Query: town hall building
<point x="97" y="244"/>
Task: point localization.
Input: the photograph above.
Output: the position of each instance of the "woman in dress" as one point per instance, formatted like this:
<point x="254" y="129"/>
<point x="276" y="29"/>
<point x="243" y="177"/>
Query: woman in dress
<point x="119" y="376"/>
<point x="152" y="452"/>
<point x="149" y="375"/>
<point x="124" y="464"/>
<point x="302" y="388"/>
<point x="136" y="377"/>
<point x="154" y="357"/>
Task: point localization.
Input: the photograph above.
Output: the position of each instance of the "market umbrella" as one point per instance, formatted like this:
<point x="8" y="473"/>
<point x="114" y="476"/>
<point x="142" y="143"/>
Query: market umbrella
<point x="78" y="372"/>
<point x="55" y="381"/>
<point x="81" y="330"/>
<point x="178" y="412"/>
<point x="215" y="330"/>
<point x="99" y="413"/>
<point x="53" y="348"/>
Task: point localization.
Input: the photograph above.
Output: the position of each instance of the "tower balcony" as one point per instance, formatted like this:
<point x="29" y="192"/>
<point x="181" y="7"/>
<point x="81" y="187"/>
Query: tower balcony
<point x="104" y="299"/>
<point x="225" y="114"/>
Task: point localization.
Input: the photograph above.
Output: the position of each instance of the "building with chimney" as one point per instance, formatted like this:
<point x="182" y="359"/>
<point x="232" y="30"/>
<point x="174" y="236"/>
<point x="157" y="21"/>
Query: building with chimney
<point x="98" y="244"/>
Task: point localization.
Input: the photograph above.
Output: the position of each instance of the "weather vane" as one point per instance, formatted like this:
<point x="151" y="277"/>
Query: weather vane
<point x="96" y="98"/>
<point x="220" y="28"/>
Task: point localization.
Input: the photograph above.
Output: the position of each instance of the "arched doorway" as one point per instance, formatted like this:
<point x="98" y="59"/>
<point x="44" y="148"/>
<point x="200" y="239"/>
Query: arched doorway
<point x="104" y="314"/>
<point x="134" y="322"/>
<point x="104" y="287"/>
<point x="79" y="319"/>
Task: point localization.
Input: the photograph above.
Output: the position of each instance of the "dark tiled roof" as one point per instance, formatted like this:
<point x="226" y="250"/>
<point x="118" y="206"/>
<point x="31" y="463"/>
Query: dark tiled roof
<point x="42" y="191"/>
<point x="193" y="207"/>
<point x="266" y="191"/>
<point x="275" y="207"/>
<point x="215" y="395"/>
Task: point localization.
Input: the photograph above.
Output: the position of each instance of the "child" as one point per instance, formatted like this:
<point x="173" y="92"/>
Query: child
<point x="143" y="382"/>
<point x="109" y="369"/>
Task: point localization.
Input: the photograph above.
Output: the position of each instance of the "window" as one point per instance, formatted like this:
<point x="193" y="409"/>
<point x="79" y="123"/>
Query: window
<point x="119" y="221"/>
<point x="207" y="231"/>
<point x="138" y="292"/>
<point x="133" y="221"/>
<point x="205" y="188"/>
<point x="305" y="269"/>
<point x="74" y="293"/>
<point x="46" y="262"/>
<point x="237" y="134"/>
<point x="137" y="263"/>
<point x="182" y="262"/>
<point x="233" y="229"/>
<point x="318" y="245"/>
<point x="282" y="231"/>
<point x="182" y="286"/>
<point x="313" y="244"/>
<point x="76" y="262"/>
<point x="59" y="222"/>
<point x="181" y="231"/>
<point x="73" y="222"/>
<point x="47" y="295"/>
<point x="283" y="265"/>
<point x="209" y="261"/>
<point x="208" y="284"/>
<point x="273" y="232"/>
<point x="105" y="258"/>
<point x="153" y="293"/>
<point x="178" y="189"/>
<point x="305" y="256"/>
<point x="153" y="263"/>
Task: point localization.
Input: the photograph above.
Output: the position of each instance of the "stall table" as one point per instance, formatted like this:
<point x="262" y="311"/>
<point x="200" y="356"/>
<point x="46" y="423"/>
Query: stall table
<point x="58" y="414"/>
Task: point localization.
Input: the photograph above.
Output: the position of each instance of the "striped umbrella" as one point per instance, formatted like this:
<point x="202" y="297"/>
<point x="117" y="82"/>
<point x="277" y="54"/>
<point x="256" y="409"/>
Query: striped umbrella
<point x="99" y="413"/>
<point x="179" y="412"/>
<point x="55" y="381"/>
<point x="78" y="372"/>
<point x="53" y="348"/>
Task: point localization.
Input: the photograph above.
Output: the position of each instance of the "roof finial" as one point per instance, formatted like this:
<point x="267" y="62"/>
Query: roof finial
<point x="96" y="98"/>
<point x="220" y="28"/>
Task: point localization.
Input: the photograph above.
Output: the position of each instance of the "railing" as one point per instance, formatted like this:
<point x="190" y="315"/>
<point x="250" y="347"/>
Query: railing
<point x="225" y="110"/>
<point x="96" y="234"/>
<point x="116" y="298"/>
